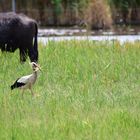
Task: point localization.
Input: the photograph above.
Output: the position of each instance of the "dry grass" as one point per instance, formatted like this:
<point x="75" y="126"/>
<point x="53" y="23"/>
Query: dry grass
<point x="98" y="15"/>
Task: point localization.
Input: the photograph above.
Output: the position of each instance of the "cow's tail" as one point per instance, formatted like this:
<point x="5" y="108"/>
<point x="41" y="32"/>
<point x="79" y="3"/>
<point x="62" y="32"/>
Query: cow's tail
<point x="36" y="42"/>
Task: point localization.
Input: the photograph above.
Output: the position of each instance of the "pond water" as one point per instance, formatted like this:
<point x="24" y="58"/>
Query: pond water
<point x="58" y="34"/>
<point x="121" y="38"/>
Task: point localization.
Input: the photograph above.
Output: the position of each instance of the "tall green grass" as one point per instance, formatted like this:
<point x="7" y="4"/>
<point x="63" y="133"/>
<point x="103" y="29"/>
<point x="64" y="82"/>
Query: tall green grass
<point x="88" y="91"/>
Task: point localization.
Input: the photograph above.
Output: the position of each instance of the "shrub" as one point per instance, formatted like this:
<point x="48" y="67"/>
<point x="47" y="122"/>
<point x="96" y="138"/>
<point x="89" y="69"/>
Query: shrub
<point x="98" y="15"/>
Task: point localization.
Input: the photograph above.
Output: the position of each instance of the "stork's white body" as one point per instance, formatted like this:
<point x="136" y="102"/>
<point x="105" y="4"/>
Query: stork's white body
<point x="26" y="82"/>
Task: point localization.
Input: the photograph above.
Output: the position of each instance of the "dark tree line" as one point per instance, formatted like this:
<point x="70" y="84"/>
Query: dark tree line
<point x="96" y="13"/>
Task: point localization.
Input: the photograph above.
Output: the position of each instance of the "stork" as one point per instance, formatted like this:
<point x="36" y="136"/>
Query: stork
<point x="26" y="82"/>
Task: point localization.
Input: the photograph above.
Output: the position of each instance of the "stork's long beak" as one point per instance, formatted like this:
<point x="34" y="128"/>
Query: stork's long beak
<point x="38" y="68"/>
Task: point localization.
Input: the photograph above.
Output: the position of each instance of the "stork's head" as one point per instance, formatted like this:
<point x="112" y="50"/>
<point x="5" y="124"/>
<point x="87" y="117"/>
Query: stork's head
<point x="35" y="66"/>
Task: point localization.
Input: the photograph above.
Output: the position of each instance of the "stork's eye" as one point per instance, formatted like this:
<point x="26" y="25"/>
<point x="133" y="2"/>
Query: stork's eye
<point x="34" y="64"/>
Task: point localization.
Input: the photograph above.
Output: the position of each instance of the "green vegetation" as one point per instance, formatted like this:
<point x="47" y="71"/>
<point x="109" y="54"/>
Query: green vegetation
<point x="94" y="13"/>
<point x="88" y="91"/>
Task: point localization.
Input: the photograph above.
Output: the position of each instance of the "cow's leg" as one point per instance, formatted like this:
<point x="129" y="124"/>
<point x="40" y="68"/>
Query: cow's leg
<point x="32" y="54"/>
<point x="3" y="48"/>
<point x="23" y="55"/>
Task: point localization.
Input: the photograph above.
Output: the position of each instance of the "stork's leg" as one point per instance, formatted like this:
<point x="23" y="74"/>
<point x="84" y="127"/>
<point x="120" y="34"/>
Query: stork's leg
<point x="22" y="92"/>
<point x="30" y="87"/>
<point x="32" y="92"/>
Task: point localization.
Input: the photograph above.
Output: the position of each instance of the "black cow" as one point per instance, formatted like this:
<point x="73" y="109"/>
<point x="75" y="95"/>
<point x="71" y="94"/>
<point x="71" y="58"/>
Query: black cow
<point x="19" y="31"/>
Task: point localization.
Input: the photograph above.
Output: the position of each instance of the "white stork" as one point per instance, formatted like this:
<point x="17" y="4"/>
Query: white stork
<point x="26" y="82"/>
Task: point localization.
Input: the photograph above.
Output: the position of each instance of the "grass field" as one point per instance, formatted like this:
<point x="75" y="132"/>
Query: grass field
<point x="88" y="91"/>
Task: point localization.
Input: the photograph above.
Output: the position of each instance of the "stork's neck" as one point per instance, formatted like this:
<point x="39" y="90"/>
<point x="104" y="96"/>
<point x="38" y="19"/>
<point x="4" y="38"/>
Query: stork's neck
<point x="35" y="73"/>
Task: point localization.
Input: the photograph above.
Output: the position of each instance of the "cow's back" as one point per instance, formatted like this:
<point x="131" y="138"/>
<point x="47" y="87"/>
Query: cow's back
<point x="8" y="25"/>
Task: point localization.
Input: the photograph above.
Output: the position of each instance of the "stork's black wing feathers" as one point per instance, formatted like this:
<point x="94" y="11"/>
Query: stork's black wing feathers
<point x="17" y="84"/>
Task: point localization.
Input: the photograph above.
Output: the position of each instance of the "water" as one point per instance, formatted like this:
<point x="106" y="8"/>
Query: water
<point x="58" y="34"/>
<point x="121" y="38"/>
